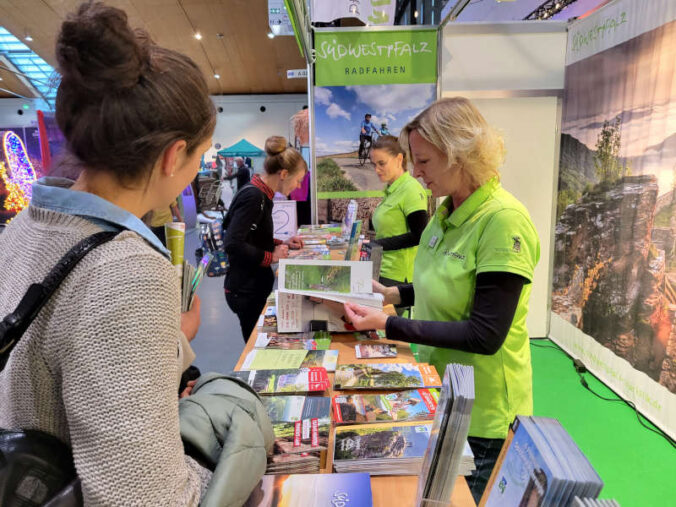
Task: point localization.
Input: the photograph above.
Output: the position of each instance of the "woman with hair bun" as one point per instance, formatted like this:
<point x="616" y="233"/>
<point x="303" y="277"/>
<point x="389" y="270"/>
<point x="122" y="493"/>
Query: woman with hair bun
<point x="100" y="366"/>
<point x="249" y="240"/>
<point x="472" y="276"/>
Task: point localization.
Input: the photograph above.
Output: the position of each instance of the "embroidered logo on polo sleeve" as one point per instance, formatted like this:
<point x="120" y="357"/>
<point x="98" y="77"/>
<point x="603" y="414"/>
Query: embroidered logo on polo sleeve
<point x="516" y="247"/>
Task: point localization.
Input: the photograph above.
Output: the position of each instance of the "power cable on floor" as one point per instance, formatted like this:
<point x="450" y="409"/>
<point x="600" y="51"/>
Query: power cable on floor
<point x="580" y="369"/>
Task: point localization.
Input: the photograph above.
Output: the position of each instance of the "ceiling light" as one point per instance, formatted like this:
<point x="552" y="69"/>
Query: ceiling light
<point x="415" y="14"/>
<point x="28" y="37"/>
<point x="217" y="75"/>
<point x="271" y="35"/>
<point x="198" y="36"/>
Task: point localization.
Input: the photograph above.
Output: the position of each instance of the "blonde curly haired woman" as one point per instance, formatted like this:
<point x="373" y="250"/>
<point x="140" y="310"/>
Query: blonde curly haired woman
<point x="472" y="274"/>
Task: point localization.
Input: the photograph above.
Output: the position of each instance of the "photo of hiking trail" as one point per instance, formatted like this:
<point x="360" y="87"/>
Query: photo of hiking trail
<point x="615" y="264"/>
<point x="339" y="111"/>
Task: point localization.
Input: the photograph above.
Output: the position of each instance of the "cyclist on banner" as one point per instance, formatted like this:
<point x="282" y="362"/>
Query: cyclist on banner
<point x="384" y="131"/>
<point x="366" y="132"/>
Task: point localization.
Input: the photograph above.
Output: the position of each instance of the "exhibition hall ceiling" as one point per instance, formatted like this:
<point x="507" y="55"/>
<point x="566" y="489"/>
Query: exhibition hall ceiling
<point x="235" y="51"/>
<point x="243" y="55"/>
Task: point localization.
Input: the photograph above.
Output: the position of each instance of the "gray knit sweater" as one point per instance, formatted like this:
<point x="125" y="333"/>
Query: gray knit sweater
<point x="98" y="367"/>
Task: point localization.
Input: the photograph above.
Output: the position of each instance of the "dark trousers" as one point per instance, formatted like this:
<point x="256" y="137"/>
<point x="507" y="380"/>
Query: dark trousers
<point x="486" y="451"/>
<point x="248" y="307"/>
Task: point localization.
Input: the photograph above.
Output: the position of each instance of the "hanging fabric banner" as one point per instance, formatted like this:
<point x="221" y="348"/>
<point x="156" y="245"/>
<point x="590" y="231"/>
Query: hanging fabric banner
<point x="369" y="83"/>
<point x="370" y="12"/>
<point x="614" y="281"/>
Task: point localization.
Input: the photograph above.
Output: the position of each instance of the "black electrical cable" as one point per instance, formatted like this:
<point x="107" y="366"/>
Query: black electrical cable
<point x="580" y="368"/>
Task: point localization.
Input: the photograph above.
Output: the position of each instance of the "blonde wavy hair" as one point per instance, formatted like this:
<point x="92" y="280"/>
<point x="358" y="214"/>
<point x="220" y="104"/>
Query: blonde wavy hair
<point x="457" y="128"/>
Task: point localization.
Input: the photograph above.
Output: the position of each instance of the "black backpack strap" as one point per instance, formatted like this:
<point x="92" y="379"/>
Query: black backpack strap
<point x="14" y="325"/>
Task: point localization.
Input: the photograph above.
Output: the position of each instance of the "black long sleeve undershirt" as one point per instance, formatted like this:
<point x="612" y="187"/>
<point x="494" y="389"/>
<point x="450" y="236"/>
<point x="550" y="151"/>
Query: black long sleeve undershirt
<point x="496" y="297"/>
<point x="417" y="221"/>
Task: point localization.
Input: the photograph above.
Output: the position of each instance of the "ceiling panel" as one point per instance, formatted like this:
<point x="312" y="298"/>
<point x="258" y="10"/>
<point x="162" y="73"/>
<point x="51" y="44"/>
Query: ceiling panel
<point x="246" y="59"/>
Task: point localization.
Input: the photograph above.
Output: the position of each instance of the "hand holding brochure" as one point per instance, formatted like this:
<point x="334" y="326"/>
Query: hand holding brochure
<point x="192" y="277"/>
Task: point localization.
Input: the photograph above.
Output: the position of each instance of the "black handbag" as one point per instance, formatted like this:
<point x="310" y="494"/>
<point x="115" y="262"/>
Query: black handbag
<point x="36" y="468"/>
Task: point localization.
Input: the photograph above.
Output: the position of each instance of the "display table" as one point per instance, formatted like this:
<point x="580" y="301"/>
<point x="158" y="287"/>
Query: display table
<point x="388" y="491"/>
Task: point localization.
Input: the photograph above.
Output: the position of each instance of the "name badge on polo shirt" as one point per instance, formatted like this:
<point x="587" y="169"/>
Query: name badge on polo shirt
<point x="433" y="242"/>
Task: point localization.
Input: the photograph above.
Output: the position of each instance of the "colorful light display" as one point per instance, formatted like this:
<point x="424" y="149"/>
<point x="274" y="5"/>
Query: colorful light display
<point x="17" y="173"/>
<point x="19" y="166"/>
<point x="16" y="199"/>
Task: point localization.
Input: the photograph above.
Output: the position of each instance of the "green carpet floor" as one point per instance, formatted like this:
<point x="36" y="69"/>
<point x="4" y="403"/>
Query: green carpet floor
<point x="637" y="466"/>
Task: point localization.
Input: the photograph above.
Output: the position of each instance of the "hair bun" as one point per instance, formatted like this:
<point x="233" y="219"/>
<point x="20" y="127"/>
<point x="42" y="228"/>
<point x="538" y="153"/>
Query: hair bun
<point x="275" y="145"/>
<point x="98" y="51"/>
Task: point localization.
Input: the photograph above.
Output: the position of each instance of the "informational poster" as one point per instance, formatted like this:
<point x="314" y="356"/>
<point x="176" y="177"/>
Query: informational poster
<point x="390" y="75"/>
<point x="284" y="219"/>
<point x="614" y="280"/>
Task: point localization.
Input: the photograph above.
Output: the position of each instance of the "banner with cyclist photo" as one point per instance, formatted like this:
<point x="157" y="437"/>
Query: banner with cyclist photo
<point x="367" y="84"/>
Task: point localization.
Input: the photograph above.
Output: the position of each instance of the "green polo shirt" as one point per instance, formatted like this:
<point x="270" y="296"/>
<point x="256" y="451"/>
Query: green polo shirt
<point x="490" y="231"/>
<point x="402" y="198"/>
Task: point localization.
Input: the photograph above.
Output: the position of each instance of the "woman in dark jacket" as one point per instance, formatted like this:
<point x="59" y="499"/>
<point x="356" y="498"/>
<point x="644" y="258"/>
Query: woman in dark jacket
<point x="249" y="240"/>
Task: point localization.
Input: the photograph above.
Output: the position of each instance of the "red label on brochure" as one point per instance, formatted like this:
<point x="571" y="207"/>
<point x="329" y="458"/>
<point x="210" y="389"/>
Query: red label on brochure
<point x="430" y="402"/>
<point x="297" y="433"/>
<point x="318" y="380"/>
<point x="336" y="409"/>
<point x="315" y="433"/>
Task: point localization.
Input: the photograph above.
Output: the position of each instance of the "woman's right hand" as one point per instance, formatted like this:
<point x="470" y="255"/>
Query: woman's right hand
<point x="391" y="294"/>
<point x="280" y="252"/>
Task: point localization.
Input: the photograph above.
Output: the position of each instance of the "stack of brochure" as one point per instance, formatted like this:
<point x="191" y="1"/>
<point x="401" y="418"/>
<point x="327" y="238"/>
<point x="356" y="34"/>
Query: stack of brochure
<point x="386" y="376"/>
<point x="312" y="490"/>
<point x="191" y="279"/>
<point x="381" y="449"/>
<point x="375" y="350"/>
<point x="280" y="359"/>
<point x="301" y="425"/>
<point x="540" y="465"/>
<point x="302" y="380"/>
<point x="414" y="405"/>
<point x="318" y="340"/>
<point x="316" y="291"/>
<point x="448" y="453"/>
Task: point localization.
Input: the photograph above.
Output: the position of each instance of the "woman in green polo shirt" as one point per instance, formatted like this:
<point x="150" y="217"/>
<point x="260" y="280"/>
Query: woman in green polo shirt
<point x="401" y="217"/>
<point x="472" y="273"/>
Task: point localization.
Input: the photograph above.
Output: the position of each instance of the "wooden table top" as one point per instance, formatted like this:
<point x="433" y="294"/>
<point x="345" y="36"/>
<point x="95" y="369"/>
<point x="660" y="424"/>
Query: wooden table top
<point x="388" y="491"/>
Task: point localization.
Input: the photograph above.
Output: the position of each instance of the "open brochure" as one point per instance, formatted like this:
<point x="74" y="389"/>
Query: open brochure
<point x="295" y="310"/>
<point x="309" y="276"/>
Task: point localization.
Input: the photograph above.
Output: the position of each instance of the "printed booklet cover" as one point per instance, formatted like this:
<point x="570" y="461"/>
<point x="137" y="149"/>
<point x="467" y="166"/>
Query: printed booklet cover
<point x="343" y="277"/>
<point x="372" y="350"/>
<point x="386" y="376"/>
<point x="278" y="359"/>
<point x="381" y="449"/>
<point x="312" y="490"/>
<point x="319" y="340"/>
<point x="414" y="405"/>
<point x="286" y="381"/>
<point x="300" y="423"/>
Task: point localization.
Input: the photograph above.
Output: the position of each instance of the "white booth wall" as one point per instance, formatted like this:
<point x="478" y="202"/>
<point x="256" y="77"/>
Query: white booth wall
<point x="242" y="117"/>
<point x="514" y="73"/>
<point x="10" y="117"/>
